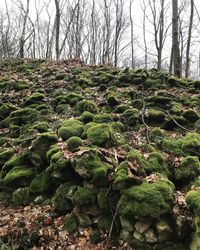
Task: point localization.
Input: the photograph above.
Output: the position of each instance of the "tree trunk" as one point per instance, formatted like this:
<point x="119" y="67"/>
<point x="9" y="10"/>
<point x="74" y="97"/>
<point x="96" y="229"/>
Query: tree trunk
<point x="57" y="29"/>
<point x="187" y="68"/>
<point x="175" y="40"/>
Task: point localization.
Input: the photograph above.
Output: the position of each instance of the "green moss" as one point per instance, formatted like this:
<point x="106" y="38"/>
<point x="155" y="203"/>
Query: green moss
<point x="62" y="199"/>
<point x="100" y="174"/>
<point x="70" y="128"/>
<point x="19" y="176"/>
<point x="74" y="143"/>
<point x="148" y="199"/>
<point x="87" y="105"/>
<point x="23" y="116"/>
<point x="118" y="126"/>
<point x="86" y="117"/>
<point x="21" y="85"/>
<point x="5" y="155"/>
<point x="155" y="116"/>
<point x="193" y="200"/>
<point x="41" y="127"/>
<point x="102" y="199"/>
<point x="112" y="99"/>
<point x="21" y="196"/>
<point x="35" y="98"/>
<point x="53" y="149"/>
<point x="191" y="143"/>
<point x="59" y="76"/>
<point x="121" y="178"/>
<point x="41" y="184"/>
<point x="71" y="224"/>
<point x="84" y="196"/>
<point x="121" y="108"/>
<point x="95" y="236"/>
<point x="136" y="157"/>
<point x="83" y="219"/>
<point x="104" y="223"/>
<point x="57" y="162"/>
<point x="131" y="116"/>
<point x="172" y="145"/>
<point x="175" y="108"/>
<point x="102" y="118"/>
<point x="188" y="169"/>
<point x="83" y="81"/>
<point x="191" y="115"/>
<point x="157" y="163"/>
<point x="156" y="135"/>
<point x="5" y="110"/>
<point x="43" y="142"/>
<point x="102" y="135"/>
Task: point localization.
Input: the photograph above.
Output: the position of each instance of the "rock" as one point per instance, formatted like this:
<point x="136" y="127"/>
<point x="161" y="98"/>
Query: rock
<point x="142" y="226"/>
<point x="164" y="230"/>
<point x="150" y="236"/>
<point x="125" y="235"/>
<point x="138" y="236"/>
<point x="126" y="224"/>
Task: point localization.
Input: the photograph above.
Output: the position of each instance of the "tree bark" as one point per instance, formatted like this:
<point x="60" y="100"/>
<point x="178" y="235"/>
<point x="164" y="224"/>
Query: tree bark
<point x="57" y="29"/>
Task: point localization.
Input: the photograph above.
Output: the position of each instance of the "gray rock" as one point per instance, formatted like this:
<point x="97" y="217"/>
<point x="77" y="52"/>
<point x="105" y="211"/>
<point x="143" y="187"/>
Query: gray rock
<point x="164" y="230"/>
<point x="126" y="224"/>
<point x="150" y="236"/>
<point x="138" y="236"/>
<point x="142" y="226"/>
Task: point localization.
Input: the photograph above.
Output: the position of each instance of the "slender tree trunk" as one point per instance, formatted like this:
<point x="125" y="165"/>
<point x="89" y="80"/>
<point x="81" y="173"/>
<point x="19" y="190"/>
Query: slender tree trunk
<point x="57" y="29"/>
<point x="175" y="39"/>
<point x="187" y="68"/>
<point x="132" y="38"/>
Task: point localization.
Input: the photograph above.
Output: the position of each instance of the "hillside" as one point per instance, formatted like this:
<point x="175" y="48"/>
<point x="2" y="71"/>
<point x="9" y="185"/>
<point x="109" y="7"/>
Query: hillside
<point x="95" y="156"/>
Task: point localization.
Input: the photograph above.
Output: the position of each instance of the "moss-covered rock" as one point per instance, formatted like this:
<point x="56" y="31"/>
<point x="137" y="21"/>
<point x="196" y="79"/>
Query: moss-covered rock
<point x="188" y="169"/>
<point x="71" y="224"/>
<point x="86" y="117"/>
<point x="155" y="116"/>
<point x="157" y="163"/>
<point x="19" y="176"/>
<point x="5" y="110"/>
<point x="43" y="142"/>
<point x="83" y="196"/>
<point x="102" y="135"/>
<point x="71" y="127"/>
<point x="102" y="118"/>
<point x="191" y="115"/>
<point x="42" y="127"/>
<point x="5" y="155"/>
<point x="74" y="143"/>
<point x="23" y="116"/>
<point x="148" y="199"/>
<point x="35" y="98"/>
<point x="87" y="105"/>
<point x="21" y="196"/>
<point x="191" y="143"/>
<point x="62" y="200"/>
<point x="193" y="200"/>
<point x="131" y="116"/>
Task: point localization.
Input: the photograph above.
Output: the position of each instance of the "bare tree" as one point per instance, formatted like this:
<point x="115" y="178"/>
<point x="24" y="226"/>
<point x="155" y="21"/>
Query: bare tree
<point x="57" y="24"/>
<point x="175" y="40"/>
<point x="132" y="34"/>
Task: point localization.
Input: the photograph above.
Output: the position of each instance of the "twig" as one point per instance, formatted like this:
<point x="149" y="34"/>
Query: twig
<point x="113" y="220"/>
<point x="179" y="125"/>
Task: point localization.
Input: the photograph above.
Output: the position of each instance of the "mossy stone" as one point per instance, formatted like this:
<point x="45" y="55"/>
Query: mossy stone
<point x="191" y="115"/>
<point x="71" y="224"/>
<point x="35" y="98"/>
<point x="21" y="196"/>
<point x="41" y="184"/>
<point x="21" y="85"/>
<point x="191" y="144"/>
<point x="188" y="169"/>
<point x="5" y="110"/>
<point x="86" y="117"/>
<point x="19" y="176"/>
<point x="155" y="116"/>
<point x="102" y="118"/>
<point x="5" y="155"/>
<point x="104" y="223"/>
<point x="43" y="142"/>
<point x="23" y="116"/>
<point x="84" y="196"/>
<point x="71" y="127"/>
<point x="157" y="163"/>
<point x="193" y="200"/>
<point x="41" y="127"/>
<point x="102" y="135"/>
<point x="156" y="135"/>
<point x="148" y="199"/>
<point x="74" y="143"/>
<point x="87" y="105"/>
<point x="131" y="116"/>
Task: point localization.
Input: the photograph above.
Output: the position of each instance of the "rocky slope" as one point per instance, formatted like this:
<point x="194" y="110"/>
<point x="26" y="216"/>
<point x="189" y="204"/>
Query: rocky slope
<point x="114" y="152"/>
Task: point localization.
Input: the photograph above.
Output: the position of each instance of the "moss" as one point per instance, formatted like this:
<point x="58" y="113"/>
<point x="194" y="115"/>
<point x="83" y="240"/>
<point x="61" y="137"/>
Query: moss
<point x="100" y="174"/>
<point x="121" y="108"/>
<point x="83" y="219"/>
<point x="59" y="76"/>
<point x="19" y="176"/>
<point x="157" y="163"/>
<point x="47" y="72"/>
<point x="82" y="81"/>
<point x="86" y="117"/>
<point x="58" y="162"/>
<point x="41" y="127"/>
<point x="74" y="143"/>
<point x="35" y="98"/>
<point x="43" y="142"/>
<point x="102" y="199"/>
<point x="191" y="115"/>
<point x="156" y="135"/>
<point x="191" y="143"/>
<point x="63" y="109"/>
<point x="84" y="196"/>
<point x="61" y="201"/>
<point x="71" y="224"/>
<point x="5" y="155"/>
<point x="118" y="126"/>
<point x="95" y="236"/>
<point x="148" y="199"/>
<point x="131" y="116"/>
<point x="87" y="105"/>
<point x="3" y="140"/>
<point x="104" y="223"/>
<point x="137" y="158"/>
<point x="53" y="149"/>
<point x="193" y="200"/>
<point x="112" y="99"/>
<point x="102" y="135"/>
<point x="155" y="116"/>
<point x="41" y="184"/>
<point x="159" y="101"/>
<point x="21" y="196"/>
<point x="172" y="145"/>
<point x="188" y="169"/>
<point x="121" y="178"/>
<point x="171" y="124"/>
<point x="23" y="116"/>
<point x="175" y="108"/>
<point x="5" y="110"/>
<point x="21" y="85"/>
<point x="102" y="118"/>
<point x="70" y="128"/>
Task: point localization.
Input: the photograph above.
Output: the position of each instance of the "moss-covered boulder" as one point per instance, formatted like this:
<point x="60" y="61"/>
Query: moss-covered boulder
<point x="148" y="199"/>
<point x="71" y="127"/>
<point x="157" y="163"/>
<point x="155" y="116"/>
<point x="193" y="200"/>
<point x="102" y="135"/>
<point x="35" y="98"/>
<point x="102" y="118"/>
<point x="131" y="116"/>
<point x="43" y="142"/>
<point x="74" y="143"/>
<point x="87" y="105"/>
<point x="5" y="155"/>
<point x="21" y="196"/>
<point x="23" y="116"/>
<point x="84" y="196"/>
